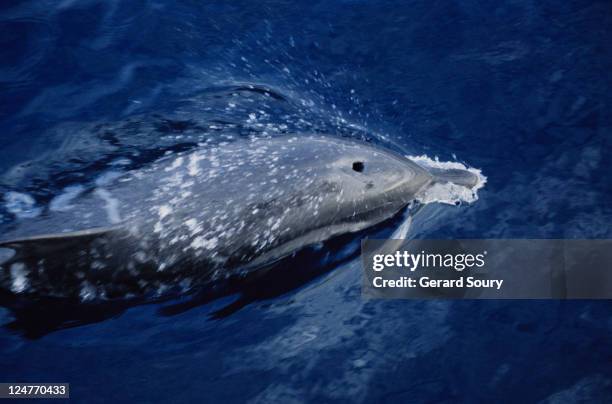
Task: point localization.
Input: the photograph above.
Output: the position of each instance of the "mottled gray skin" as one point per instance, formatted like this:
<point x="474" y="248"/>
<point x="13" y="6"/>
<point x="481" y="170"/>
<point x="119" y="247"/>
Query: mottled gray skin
<point x="194" y="218"/>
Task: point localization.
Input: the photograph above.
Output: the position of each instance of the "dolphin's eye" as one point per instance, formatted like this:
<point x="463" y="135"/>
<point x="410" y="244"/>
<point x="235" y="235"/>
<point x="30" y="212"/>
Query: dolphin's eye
<point x="358" y="166"/>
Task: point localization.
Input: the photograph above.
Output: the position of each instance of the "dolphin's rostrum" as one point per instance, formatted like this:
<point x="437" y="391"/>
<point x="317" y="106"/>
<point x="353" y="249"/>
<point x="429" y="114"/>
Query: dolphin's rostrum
<point x="194" y="218"/>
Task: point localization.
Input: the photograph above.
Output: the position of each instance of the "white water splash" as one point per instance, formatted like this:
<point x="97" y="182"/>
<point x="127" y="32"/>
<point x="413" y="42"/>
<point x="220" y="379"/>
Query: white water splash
<point x="19" y="277"/>
<point x="401" y="232"/>
<point x="111" y="206"/>
<point x="23" y="206"/>
<point x="61" y="203"/>
<point x="449" y="193"/>
<point x="107" y="178"/>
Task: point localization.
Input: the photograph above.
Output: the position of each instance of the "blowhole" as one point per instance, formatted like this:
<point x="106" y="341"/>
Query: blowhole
<point x="358" y="166"/>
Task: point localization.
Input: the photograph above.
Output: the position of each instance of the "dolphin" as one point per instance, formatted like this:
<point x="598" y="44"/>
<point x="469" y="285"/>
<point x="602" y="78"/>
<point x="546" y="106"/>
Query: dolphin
<point x="194" y="218"/>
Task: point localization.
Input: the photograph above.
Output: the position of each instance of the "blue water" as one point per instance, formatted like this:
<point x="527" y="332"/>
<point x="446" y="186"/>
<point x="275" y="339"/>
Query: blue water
<point x="519" y="89"/>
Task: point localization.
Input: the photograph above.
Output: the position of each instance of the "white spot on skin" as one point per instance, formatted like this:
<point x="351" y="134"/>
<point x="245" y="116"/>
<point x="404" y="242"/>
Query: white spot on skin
<point x="175" y="164"/>
<point x="164" y="211"/>
<point x="87" y="292"/>
<point x="140" y="256"/>
<point x="201" y="242"/>
<point x="97" y="265"/>
<point x="158" y="227"/>
<point x="193" y="168"/>
<point x="191" y="224"/>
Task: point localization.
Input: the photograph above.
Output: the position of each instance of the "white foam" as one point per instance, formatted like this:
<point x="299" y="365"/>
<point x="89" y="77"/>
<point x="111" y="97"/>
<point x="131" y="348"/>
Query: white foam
<point x="112" y="205"/>
<point x="107" y="178"/>
<point x="121" y="162"/>
<point x="448" y="193"/>
<point x="201" y="242"/>
<point x="19" y="277"/>
<point x="23" y="206"/>
<point x="61" y="203"/>
<point x="402" y="231"/>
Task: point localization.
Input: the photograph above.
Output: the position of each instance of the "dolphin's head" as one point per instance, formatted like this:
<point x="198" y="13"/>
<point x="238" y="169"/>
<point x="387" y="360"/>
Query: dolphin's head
<point x="376" y="177"/>
<point x="371" y="177"/>
<point x="354" y="182"/>
<point x="371" y="171"/>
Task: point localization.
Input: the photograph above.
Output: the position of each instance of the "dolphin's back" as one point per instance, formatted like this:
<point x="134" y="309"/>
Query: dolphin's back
<point x="198" y="216"/>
